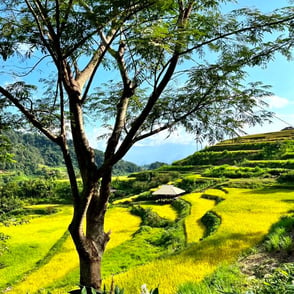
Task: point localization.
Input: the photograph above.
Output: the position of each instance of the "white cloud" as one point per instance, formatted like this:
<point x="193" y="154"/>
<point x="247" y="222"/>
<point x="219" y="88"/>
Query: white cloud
<point x="276" y="102"/>
<point x="94" y="137"/>
<point x="279" y="122"/>
<point x="179" y="136"/>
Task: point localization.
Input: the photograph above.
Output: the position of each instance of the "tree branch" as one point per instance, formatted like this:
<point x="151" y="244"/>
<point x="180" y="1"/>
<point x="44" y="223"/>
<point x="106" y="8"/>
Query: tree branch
<point x="42" y="33"/>
<point x="30" y="70"/>
<point x="128" y="140"/>
<point x="90" y="69"/>
<point x="128" y="91"/>
<point x="236" y="32"/>
<point x="198" y="106"/>
<point x="30" y="117"/>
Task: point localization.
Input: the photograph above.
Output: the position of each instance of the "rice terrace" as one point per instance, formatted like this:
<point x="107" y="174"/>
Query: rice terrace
<point x="231" y="231"/>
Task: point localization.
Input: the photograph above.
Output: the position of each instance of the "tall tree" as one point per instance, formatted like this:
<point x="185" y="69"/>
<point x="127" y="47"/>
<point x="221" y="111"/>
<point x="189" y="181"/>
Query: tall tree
<point x="176" y="63"/>
<point x="5" y="146"/>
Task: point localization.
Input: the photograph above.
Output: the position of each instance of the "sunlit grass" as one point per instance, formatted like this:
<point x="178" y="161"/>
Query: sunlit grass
<point x="30" y="242"/>
<point x="193" y="176"/>
<point x="118" y="220"/>
<point x="61" y="263"/>
<point x="194" y="228"/>
<point x="120" y="201"/>
<point x="122" y="225"/>
<point x="165" y="273"/>
<point x="246" y="217"/>
<point x="165" y="211"/>
<point x="123" y="178"/>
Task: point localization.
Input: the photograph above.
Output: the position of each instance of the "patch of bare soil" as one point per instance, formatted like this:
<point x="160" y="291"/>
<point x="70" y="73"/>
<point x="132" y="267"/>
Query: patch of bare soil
<point x="263" y="263"/>
<point x="259" y="265"/>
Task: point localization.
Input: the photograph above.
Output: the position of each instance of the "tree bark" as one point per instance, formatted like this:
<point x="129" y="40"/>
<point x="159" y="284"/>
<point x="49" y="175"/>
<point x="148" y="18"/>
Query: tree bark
<point x="90" y="272"/>
<point x="91" y="244"/>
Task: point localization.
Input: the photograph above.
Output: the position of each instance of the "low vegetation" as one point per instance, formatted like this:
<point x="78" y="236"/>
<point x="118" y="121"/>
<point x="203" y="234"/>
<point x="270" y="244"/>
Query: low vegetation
<point x="200" y="242"/>
<point x="211" y="221"/>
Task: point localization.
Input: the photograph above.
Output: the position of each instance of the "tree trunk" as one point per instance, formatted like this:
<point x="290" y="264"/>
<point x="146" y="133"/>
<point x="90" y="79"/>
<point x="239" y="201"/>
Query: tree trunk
<point x="90" y="247"/>
<point x="91" y="244"/>
<point x="90" y="271"/>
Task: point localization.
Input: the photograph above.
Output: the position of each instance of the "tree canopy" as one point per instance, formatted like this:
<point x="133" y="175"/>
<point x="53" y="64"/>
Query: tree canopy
<point x="143" y="41"/>
<point x="172" y="63"/>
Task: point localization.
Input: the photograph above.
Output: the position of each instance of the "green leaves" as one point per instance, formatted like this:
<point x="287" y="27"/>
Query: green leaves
<point x="21" y="90"/>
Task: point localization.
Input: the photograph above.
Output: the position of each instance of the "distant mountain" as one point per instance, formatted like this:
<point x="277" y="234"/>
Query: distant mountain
<point x="33" y="150"/>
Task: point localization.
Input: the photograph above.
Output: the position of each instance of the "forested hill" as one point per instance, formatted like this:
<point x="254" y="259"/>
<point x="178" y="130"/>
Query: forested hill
<point x="33" y="152"/>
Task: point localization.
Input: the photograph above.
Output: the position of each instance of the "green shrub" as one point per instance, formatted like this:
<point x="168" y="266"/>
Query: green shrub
<point x="240" y="146"/>
<point x="211" y="221"/>
<point x="286" y="244"/>
<point x="141" y="182"/>
<point x="37" y="190"/>
<point x="177" y="166"/>
<point x="172" y="238"/>
<point x="217" y="199"/>
<point x="288" y="155"/>
<point x="279" y="239"/>
<point x="155" y="176"/>
<point x="208" y="157"/>
<point x="277" y="164"/>
<point x="144" y="196"/>
<point x="62" y="192"/>
<point x="3" y="246"/>
<point x="286" y="177"/>
<point x="182" y="207"/>
<point x="280" y="282"/>
<point x="254" y="183"/>
<point x="273" y="242"/>
<point x="9" y="204"/>
<point x="149" y="217"/>
<point x="198" y="184"/>
<point x="225" y="280"/>
<point x="235" y="172"/>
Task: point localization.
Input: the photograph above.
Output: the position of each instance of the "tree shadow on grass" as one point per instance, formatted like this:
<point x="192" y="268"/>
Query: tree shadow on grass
<point x="270" y="190"/>
<point x="288" y="200"/>
<point x="220" y="248"/>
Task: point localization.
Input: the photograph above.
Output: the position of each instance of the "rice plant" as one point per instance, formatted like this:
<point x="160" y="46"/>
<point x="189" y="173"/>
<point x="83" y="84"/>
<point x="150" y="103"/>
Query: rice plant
<point x="246" y="218"/>
<point x="66" y="259"/>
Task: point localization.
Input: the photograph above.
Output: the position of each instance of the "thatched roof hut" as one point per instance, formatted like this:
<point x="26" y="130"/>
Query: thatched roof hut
<point x="168" y="191"/>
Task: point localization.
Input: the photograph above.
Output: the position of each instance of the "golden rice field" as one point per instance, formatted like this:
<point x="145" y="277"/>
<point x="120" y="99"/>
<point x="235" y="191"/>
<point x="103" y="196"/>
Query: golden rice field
<point x="194" y="228"/>
<point x="30" y="242"/>
<point x="66" y="259"/>
<point x="164" y="211"/>
<point x="246" y="217"/>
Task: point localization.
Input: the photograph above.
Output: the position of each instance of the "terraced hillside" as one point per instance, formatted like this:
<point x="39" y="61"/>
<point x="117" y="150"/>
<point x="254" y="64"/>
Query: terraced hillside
<point x="269" y="157"/>
<point x="267" y="146"/>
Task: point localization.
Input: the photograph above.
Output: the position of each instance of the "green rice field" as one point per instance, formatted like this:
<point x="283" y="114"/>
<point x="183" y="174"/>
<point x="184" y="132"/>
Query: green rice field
<point x="41" y="256"/>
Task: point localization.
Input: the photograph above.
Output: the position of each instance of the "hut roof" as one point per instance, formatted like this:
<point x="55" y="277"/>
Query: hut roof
<point x="168" y="190"/>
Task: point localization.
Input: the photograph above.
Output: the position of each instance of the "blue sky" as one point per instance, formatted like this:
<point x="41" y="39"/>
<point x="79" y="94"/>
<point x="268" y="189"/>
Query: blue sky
<point x="279" y="73"/>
